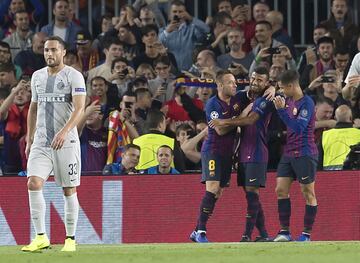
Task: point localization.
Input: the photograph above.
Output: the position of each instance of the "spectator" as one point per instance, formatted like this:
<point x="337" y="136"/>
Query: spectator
<point x="262" y="51"/>
<point x="62" y="27"/>
<point x="32" y="59"/>
<point x="121" y="130"/>
<point x="235" y="39"/>
<point x="5" y="57"/>
<point x="8" y="8"/>
<point x="342" y="58"/>
<point x="93" y="138"/>
<point x="205" y="60"/>
<point x="105" y="93"/>
<point x="87" y="56"/>
<point x="324" y="63"/>
<point x="336" y="142"/>
<point x="20" y="39"/>
<point x="324" y="110"/>
<point x="182" y="33"/>
<point x="145" y="70"/>
<point x="129" y="161"/>
<point x="165" y="157"/>
<point x="204" y="93"/>
<point x="260" y="10"/>
<point x="106" y="26"/>
<point x="216" y="39"/>
<point x="132" y="45"/>
<point x="150" y="142"/>
<point x="149" y="14"/>
<point x="122" y="74"/>
<point x="7" y="76"/>
<point x="153" y="48"/>
<point x="14" y="110"/>
<point x="162" y="87"/>
<point x="276" y="19"/>
<point x="340" y="25"/>
<point x="143" y="103"/>
<point x="309" y="56"/>
<point x="224" y="6"/>
<point x="113" y="49"/>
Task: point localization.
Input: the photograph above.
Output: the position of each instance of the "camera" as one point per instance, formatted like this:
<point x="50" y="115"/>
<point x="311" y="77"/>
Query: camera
<point x="125" y="72"/>
<point x="176" y="18"/>
<point x="327" y="79"/>
<point x="128" y="104"/>
<point x="274" y="50"/>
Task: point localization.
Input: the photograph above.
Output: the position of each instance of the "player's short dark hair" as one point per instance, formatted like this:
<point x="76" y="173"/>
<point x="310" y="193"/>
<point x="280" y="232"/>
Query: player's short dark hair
<point x="322" y="99"/>
<point x="154" y="118"/>
<point x="325" y="40"/>
<point x="288" y="77"/>
<point x="119" y="59"/>
<point x="220" y="17"/>
<point x="98" y="78"/>
<point x="131" y="146"/>
<point x="111" y="40"/>
<point x="55" y="2"/>
<point x="220" y="74"/>
<point x="266" y="23"/>
<point x="262" y="71"/>
<point x="165" y="146"/>
<point x="58" y="39"/>
<point x="149" y="28"/>
<point x="162" y="59"/>
<point x="7" y="67"/>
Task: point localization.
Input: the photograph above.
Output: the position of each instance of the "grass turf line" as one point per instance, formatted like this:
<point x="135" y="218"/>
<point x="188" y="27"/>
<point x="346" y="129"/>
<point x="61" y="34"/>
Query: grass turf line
<point x="189" y="252"/>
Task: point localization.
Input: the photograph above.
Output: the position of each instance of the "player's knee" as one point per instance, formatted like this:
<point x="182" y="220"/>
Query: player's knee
<point x="281" y="192"/>
<point x="308" y="194"/>
<point x="34" y="184"/>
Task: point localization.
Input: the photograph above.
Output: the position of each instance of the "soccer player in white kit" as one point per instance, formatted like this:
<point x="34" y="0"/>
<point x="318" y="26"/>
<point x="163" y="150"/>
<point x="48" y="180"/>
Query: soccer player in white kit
<point x="53" y="147"/>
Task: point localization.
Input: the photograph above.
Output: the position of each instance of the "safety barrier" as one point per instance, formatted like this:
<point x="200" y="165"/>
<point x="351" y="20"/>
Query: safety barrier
<point x="157" y="208"/>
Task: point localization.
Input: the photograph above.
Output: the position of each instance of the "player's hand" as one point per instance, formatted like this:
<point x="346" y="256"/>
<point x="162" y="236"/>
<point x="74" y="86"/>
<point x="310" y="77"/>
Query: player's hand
<point x="246" y="111"/>
<point x="269" y="93"/>
<point x="216" y="123"/>
<point x="59" y="140"/>
<point x="279" y="102"/>
<point x="27" y="149"/>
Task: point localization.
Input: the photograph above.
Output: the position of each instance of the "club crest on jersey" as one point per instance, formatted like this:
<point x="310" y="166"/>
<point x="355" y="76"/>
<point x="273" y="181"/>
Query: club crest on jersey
<point x="236" y="106"/>
<point x="214" y="115"/>
<point x="263" y="105"/>
<point x="294" y="111"/>
<point x="304" y="113"/>
<point x="60" y="85"/>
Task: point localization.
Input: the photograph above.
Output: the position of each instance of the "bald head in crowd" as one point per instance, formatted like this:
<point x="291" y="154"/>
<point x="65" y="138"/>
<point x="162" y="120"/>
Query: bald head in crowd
<point x="276" y="19"/>
<point x="206" y="58"/>
<point x="343" y="114"/>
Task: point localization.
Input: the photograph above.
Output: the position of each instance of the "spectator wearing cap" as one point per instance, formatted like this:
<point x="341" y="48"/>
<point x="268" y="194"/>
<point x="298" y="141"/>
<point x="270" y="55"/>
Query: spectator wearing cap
<point x="61" y="26"/>
<point x="32" y="59"/>
<point x="182" y="33"/>
<point x="88" y="57"/>
<point x="93" y="138"/>
<point x="21" y="38"/>
<point x="153" y="48"/>
<point x="165" y="157"/>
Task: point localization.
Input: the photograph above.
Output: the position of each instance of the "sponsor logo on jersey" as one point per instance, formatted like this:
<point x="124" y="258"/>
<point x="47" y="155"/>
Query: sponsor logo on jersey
<point x="79" y="89"/>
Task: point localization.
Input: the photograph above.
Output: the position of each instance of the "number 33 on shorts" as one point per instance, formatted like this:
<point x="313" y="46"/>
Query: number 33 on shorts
<point x="212" y="168"/>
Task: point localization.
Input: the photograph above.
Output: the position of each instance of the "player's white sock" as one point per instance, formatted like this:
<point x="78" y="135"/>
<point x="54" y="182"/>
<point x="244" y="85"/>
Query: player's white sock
<point x="37" y="210"/>
<point x="71" y="208"/>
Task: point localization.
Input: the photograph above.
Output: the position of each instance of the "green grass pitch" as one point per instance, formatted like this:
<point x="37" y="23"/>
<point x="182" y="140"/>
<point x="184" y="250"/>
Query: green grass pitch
<point x="316" y="252"/>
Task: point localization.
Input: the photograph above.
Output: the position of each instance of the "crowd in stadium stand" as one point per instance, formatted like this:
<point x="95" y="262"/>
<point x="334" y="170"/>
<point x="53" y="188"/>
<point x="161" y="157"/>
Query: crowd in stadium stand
<point x="150" y="71"/>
